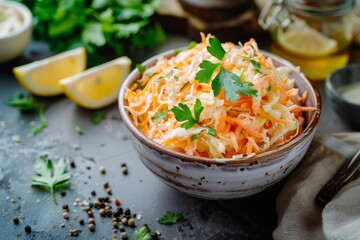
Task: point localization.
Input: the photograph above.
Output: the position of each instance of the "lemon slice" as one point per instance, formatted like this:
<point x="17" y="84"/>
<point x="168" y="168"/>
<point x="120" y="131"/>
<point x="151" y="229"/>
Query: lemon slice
<point x="42" y="77"/>
<point x="99" y="86"/>
<point x="307" y="42"/>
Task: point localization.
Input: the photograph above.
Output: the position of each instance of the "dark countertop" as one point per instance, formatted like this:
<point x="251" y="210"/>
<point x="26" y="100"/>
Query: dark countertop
<point x="105" y="144"/>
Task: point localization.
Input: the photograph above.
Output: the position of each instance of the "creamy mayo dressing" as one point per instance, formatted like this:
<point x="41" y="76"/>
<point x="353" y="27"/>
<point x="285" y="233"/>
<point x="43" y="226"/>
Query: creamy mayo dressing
<point x="351" y="93"/>
<point x="10" y="20"/>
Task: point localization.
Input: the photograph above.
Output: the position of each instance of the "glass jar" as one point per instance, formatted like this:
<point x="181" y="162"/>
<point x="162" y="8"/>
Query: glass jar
<point x="312" y="34"/>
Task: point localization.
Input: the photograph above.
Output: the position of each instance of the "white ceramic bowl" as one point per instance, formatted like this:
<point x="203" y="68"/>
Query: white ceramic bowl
<point x="212" y="178"/>
<point x="15" y="41"/>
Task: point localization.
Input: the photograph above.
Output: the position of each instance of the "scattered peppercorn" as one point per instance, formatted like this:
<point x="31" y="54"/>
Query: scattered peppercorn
<point x="16" y="220"/>
<point x="66" y="215"/>
<point x="124" y="221"/>
<point x="106" y="184"/>
<point x="62" y="225"/>
<point x="63" y="193"/>
<point x="124" y="235"/>
<point x="73" y="233"/>
<point x="82" y="222"/>
<point x="102" y="212"/>
<point x="91" y="227"/>
<point x="115" y="224"/>
<point x="102" y="169"/>
<point x="93" y="193"/>
<point x="91" y="221"/>
<point x="124" y="169"/>
<point x="27" y="229"/>
<point x="131" y="222"/>
<point x="121" y="228"/>
<point x="65" y="206"/>
<point x="108" y="190"/>
<point x="13" y="201"/>
<point x="90" y="213"/>
<point x="117" y="202"/>
<point x="72" y="164"/>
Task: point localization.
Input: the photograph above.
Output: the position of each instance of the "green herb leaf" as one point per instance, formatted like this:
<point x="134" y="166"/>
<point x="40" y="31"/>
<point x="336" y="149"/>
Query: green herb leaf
<point x="21" y="102"/>
<point x="170" y="218"/>
<point x="51" y="177"/>
<point x="229" y="81"/>
<point x="216" y="49"/>
<point x="43" y="123"/>
<point x="98" y="117"/>
<point x="257" y="66"/>
<point x="139" y="85"/>
<point x="195" y="136"/>
<point x="141" y="68"/>
<point x="212" y="132"/>
<point x="79" y="130"/>
<point x="178" y="50"/>
<point x="142" y="234"/>
<point x="191" y="45"/>
<point x="198" y="108"/>
<point x="182" y="88"/>
<point x="206" y="72"/>
<point x="162" y="114"/>
<point x="183" y="114"/>
<point x="245" y="89"/>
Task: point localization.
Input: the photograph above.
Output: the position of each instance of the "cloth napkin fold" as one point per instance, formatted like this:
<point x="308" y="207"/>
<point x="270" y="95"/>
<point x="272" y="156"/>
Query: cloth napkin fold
<point x="299" y="216"/>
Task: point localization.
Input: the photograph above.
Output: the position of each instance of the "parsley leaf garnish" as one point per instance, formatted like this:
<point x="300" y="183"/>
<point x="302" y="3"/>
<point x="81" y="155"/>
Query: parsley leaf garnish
<point x="216" y="49"/>
<point x="52" y="177"/>
<point x="43" y="123"/>
<point x="183" y="114"/>
<point x="142" y="234"/>
<point x="97" y="117"/>
<point x="141" y="68"/>
<point x="21" y="102"/>
<point x="225" y="79"/>
<point x="212" y="132"/>
<point x="79" y="130"/>
<point x="162" y="114"/>
<point x="170" y="218"/>
<point x="206" y="72"/>
<point x="257" y="66"/>
<point x="191" y="45"/>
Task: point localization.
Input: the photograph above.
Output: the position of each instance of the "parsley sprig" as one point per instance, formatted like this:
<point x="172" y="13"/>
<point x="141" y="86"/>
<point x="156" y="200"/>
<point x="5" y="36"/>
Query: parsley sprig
<point x="184" y="114"/>
<point x="225" y="79"/>
<point x="52" y="177"/>
<point x="142" y="234"/>
<point x="170" y="218"/>
<point x="21" y="102"/>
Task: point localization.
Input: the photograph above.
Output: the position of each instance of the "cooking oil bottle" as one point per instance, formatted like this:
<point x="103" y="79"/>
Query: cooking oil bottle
<point x="312" y="34"/>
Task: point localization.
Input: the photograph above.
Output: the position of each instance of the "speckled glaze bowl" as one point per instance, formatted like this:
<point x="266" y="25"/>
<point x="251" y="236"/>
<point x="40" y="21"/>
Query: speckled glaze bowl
<point x="212" y="178"/>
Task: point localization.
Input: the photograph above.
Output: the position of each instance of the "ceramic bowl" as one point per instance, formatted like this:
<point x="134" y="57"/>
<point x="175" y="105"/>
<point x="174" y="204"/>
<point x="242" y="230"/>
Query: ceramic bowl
<point x="13" y="43"/>
<point x="212" y="178"/>
<point x="335" y="84"/>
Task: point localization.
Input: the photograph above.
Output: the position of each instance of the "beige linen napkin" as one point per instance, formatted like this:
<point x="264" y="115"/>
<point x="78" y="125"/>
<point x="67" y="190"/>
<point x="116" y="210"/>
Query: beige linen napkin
<point x="299" y="216"/>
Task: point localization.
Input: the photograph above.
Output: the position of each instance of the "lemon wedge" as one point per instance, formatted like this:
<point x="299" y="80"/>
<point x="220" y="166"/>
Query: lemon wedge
<point x="307" y="42"/>
<point x="99" y="86"/>
<point x="42" y="77"/>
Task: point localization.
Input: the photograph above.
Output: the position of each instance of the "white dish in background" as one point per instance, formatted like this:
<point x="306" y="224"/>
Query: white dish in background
<point x="16" y="18"/>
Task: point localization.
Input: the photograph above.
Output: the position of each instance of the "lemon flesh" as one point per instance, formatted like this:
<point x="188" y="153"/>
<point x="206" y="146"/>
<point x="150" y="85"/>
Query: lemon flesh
<point x="99" y="86"/>
<point x="42" y="77"/>
<point x="306" y="42"/>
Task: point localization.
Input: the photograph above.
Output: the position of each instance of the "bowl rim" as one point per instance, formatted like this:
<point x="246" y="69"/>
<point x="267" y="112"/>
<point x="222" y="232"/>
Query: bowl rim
<point x="245" y="161"/>
<point x="24" y="12"/>
<point x="332" y="89"/>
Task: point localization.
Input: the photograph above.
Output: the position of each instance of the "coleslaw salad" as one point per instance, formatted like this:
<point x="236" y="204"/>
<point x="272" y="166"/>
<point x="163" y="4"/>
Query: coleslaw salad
<point x="223" y="128"/>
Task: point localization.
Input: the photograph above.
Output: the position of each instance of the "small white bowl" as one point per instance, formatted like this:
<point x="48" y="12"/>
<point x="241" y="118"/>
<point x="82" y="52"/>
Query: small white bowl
<point x="13" y="43"/>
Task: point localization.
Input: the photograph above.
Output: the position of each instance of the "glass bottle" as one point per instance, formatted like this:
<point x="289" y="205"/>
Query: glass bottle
<point x="312" y="34"/>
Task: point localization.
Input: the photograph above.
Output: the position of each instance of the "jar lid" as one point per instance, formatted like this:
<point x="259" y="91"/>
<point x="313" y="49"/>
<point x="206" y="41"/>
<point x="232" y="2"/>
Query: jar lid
<point x="321" y="8"/>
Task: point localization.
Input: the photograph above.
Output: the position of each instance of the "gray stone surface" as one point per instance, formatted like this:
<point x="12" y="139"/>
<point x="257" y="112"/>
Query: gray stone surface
<point x="106" y="144"/>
